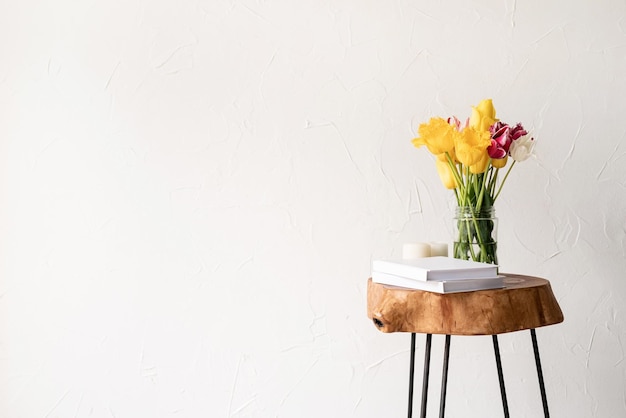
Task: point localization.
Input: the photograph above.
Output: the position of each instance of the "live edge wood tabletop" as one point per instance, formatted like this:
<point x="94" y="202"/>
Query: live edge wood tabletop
<point x="525" y="302"/>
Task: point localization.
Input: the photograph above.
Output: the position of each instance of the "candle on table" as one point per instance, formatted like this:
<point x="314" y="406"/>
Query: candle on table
<point x="438" y="249"/>
<point x="413" y="250"/>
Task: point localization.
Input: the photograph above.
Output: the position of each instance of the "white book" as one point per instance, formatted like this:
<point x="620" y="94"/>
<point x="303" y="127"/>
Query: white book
<point x="440" y="286"/>
<point x="436" y="268"/>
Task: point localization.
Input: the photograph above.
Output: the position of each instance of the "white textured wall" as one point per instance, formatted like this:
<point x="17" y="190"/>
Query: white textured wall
<point x="192" y="193"/>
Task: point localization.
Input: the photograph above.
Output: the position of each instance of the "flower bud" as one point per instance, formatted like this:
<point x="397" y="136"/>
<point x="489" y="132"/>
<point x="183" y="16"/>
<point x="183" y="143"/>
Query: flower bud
<point x="522" y="148"/>
<point x="517" y="132"/>
<point x="481" y="165"/>
<point x="483" y="115"/>
<point x="500" y="162"/>
<point x="445" y="174"/>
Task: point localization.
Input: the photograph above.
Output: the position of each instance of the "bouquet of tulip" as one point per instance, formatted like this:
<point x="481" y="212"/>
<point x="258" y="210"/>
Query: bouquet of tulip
<point x="469" y="157"/>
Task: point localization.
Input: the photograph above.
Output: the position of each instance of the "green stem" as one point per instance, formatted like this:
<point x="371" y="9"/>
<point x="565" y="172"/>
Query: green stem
<point x="493" y="181"/>
<point x="477" y="234"/>
<point x="457" y="176"/>
<point x="479" y="202"/>
<point x="504" y="180"/>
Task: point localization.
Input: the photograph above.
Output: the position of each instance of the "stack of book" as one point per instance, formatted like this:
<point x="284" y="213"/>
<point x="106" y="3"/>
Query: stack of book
<point x="437" y="274"/>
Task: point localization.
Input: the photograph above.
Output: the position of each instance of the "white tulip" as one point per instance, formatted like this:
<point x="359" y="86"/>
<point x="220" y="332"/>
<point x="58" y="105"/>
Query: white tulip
<point x="522" y="148"/>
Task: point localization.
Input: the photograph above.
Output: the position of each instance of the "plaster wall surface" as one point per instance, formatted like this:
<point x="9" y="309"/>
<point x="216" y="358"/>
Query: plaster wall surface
<point x="192" y="192"/>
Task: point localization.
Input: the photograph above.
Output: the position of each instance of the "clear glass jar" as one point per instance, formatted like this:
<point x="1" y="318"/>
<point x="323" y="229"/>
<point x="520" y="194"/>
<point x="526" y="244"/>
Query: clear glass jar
<point x="475" y="234"/>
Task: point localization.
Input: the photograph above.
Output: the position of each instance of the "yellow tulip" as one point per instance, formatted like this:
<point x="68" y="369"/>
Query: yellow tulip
<point x="438" y="135"/>
<point x="471" y="145"/>
<point x="445" y="174"/>
<point x="483" y="115"/>
<point x="481" y="165"/>
<point x="443" y="157"/>
<point x="500" y="162"/>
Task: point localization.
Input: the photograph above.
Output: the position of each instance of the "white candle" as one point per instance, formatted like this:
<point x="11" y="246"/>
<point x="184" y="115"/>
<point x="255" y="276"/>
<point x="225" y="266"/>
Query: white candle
<point x="438" y="249"/>
<point x="413" y="250"/>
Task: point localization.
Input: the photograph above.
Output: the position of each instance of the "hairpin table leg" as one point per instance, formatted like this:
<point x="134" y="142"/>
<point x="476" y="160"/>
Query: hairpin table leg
<point x="429" y="338"/>
<point x="496" y="349"/>
<point x="444" y="378"/>
<point x="411" y="374"/>
<point x="544" y="399"/>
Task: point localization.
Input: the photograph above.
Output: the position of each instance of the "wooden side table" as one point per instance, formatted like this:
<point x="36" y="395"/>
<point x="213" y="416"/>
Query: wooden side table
<point x="525" y="303"/>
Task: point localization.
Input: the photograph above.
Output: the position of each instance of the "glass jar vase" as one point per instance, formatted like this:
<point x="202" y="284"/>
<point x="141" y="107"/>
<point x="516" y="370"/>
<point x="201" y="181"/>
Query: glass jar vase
<point x="475" y="234"/>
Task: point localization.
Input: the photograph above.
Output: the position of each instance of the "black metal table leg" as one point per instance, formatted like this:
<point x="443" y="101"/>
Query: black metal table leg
<point x="544" y="399"/>
<point x="496" y="349"/>
<point x="444" y="378"/>
<point x="429" y="339"/>
<point x="411" y="374"/>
